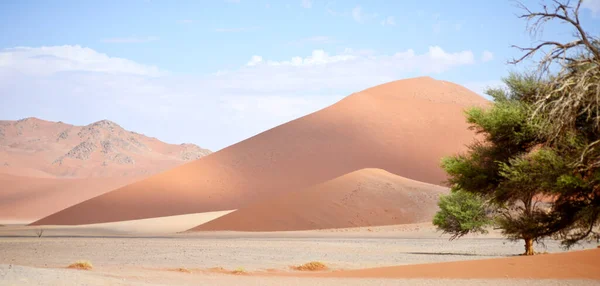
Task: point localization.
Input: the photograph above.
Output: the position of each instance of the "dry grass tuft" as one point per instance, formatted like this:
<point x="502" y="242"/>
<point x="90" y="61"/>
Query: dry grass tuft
<point x="239" y="271"/>
<point x="82" y="265"/>
<point x="311" y="266"/>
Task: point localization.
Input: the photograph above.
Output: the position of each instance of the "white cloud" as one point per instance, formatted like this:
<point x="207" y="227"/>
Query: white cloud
<point x="130" y="40"/>
<point x="306" y="4"/>
<point x="487" y="56"/>
<point x="254" y="61"/>
<point x="318" y="57"/>
<point x="592" y="5"/>
<point x="236" y="30"/>
<point x="50" y="60"/>
<point x="79" y="85"/>
<point x="389" y="21"/>
<point x="360" y="17"/>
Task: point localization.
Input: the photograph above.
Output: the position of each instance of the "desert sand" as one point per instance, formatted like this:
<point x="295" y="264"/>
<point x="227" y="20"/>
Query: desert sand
<point x="403" y="127"/>
<point x="390" y="255"/>
<point x="367" y="197"/>
<point x="48" y="166"/>
<point x="27" y="199"/>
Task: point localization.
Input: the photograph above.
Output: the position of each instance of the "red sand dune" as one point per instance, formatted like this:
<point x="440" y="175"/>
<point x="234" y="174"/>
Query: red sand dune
<point x="584" y="264"/>
<point x="31" y="198"/>
<point x="404" y="127"/>
<point x="368" y="197"/>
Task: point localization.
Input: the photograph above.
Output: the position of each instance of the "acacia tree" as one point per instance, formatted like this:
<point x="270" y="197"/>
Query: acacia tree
<point x="494" y="171"/>
<point x="569" y="104"/>
<point x="538" y="168"/>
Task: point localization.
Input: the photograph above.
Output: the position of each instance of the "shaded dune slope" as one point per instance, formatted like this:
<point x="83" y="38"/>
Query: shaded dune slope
<point x="404" y="127"/>
<point x="368" y="197"/>
<point x="32" y="198"/>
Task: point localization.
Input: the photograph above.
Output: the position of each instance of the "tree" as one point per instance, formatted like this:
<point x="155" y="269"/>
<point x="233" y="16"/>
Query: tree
<point x="461" y="213"/>
<point x="539" y="165"/>
<point x="569" y="104"/>
<point x="494" y="171"/>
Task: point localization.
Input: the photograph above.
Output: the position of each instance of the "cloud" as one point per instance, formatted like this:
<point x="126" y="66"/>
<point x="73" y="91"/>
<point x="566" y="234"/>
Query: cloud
<point x="80" y="85"/>
<point x="130" y="40"/>
<point x="318" y="57"/>
<point x="254" y="61"/>
<point x="592" y="5"/>
<point x="389" y="21"/>
<point x="487" y="56"/>
<point x="50" y="60"/>
<point x="236" y="30"/>
<point x="306" y="4"/>
<point x="360" y="17"/>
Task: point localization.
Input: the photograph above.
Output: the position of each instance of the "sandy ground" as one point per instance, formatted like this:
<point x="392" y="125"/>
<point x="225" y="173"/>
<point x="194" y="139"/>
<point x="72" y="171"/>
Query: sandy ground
<point x="141" y="227"/>
<point x="150" y="260"/>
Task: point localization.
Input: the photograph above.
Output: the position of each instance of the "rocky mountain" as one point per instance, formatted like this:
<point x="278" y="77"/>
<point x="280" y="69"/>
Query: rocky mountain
<point x="35" y="147"/>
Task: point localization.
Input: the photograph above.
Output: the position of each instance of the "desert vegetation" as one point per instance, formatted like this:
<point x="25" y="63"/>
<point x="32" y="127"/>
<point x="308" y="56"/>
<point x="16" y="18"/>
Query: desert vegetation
<point x="311" y="266"/>
<point x="536" y="173"/>
<point x="81" y="265"/>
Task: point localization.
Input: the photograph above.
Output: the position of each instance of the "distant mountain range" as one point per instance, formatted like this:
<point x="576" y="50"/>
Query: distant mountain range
<point x="39" y="148"/>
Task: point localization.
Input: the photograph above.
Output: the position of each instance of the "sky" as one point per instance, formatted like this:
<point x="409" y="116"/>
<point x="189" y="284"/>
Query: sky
<point x="216" y="72"/>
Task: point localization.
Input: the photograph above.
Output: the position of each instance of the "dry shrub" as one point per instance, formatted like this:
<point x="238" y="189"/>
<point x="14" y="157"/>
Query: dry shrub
<point x="239" y="271"/>
<point x="311" y="266"/>
<point x="82" y="265"/>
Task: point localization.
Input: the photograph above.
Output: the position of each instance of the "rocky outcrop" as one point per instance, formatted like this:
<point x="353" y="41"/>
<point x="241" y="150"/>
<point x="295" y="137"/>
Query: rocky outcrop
<point x="90" y="150"/>
<point x="192" y="152"/>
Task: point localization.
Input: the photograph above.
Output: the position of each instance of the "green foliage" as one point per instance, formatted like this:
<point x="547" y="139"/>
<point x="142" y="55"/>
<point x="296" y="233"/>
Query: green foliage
<point x="461" y="213"/>
<point x="494" y="171"/>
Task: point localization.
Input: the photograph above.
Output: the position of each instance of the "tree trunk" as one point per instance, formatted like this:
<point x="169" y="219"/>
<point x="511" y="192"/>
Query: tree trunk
<point x="528" y="246"/>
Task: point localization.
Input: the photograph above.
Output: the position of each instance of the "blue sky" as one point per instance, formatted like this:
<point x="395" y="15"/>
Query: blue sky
<point x="216" y="72"/>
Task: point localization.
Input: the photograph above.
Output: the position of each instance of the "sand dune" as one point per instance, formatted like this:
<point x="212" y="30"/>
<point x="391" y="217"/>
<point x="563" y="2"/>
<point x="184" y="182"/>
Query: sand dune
<point x="368" y="197"/>
<point x="583" y="264"/>
<point x="27" y="199"/>
<point x="404" y="127"/>
<point x="152" y="226"/>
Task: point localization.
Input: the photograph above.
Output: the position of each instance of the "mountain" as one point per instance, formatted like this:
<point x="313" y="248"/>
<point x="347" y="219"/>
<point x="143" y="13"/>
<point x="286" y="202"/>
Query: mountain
<point x="35" y="147"/>
<point x="404" y="127"/>
<point x="48" y="166"/>
<point x="367" y="197"/>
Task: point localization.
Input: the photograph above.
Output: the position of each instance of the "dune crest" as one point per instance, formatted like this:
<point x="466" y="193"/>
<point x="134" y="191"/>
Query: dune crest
<point x="404" y="127"/>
